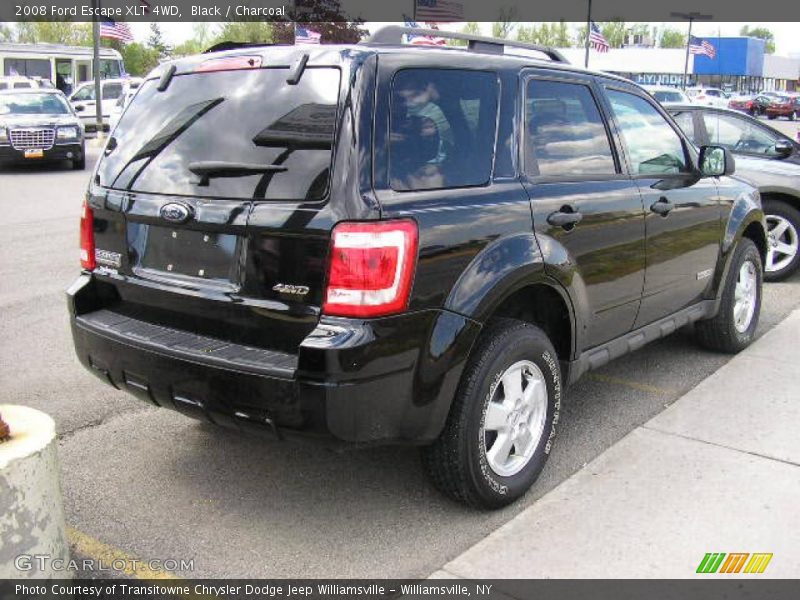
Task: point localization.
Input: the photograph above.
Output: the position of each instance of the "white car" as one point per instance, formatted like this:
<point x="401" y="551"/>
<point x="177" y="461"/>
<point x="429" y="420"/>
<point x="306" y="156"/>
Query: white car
<point x="666" y="95"/>
<point x="119" y="106"/>
<point x="708" y="96"/>
<point x="83" y="100"/>
<point x="20" y="82"/>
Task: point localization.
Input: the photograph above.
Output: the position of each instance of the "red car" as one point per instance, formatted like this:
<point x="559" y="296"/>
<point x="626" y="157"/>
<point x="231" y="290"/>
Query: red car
<point x="752" y="105"/>
<point x="784" y="106"/>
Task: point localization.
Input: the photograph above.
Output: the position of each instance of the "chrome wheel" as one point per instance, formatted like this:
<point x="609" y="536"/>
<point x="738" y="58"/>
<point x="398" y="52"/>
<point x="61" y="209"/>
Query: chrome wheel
<point x="783" y="243"/>
<point x="515" y="416"/>
<point x="745" y="296"/>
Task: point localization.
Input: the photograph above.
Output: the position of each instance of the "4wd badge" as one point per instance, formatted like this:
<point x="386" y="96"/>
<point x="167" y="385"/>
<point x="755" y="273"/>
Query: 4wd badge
<point x="295" y="290"/>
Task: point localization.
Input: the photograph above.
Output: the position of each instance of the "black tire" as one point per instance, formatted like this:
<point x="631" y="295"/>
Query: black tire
<point x="456" y="461"/>
<point x="79" y="164"/>
<point x="786" y="211"/>
<point x="720" y="332"/>
<point x="772" y="117"/>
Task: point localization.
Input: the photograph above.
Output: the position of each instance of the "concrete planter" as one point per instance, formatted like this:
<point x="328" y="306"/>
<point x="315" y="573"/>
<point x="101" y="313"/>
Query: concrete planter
<point x="33" y="540"/>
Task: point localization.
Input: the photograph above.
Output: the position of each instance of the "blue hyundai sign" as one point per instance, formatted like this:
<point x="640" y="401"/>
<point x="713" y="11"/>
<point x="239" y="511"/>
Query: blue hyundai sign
<point x="734" y="56"/>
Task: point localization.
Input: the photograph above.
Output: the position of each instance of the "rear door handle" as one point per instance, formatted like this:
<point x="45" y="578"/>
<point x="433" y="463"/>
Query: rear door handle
<point x="662" y="207"/>
<point x="565" y="219"/>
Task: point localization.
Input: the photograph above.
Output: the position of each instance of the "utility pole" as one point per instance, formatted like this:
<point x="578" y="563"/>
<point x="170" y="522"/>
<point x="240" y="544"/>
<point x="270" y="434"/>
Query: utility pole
<point x="691" y="17"/>
<point x="588" y="33"/>
<point x="98" y="108"/>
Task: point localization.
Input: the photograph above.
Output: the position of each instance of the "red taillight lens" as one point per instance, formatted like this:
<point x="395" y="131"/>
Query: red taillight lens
<point x="87" y="237"/>
<point x="371" y="268"/>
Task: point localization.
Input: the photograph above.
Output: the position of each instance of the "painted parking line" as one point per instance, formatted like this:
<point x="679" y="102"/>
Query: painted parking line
<point x="642" y="387"/>
<point x="111" y="557"/>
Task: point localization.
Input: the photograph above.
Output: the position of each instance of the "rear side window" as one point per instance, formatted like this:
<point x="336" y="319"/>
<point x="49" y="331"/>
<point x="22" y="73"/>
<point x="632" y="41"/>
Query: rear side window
<point x="112" y="91"/>
<point x="739" y="135"/>
<point x="442" y="128"/>
<point x="244" y="134"/>
<point x="564" y="132"/>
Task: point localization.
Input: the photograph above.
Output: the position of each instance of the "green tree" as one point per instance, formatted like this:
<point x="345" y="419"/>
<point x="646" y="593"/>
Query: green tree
<point x="139" y="59"/>
<point x="54" y="32"/>
<point x="672" y="38"/>
<point x="6" y="33"/>
<point x="614" y="32"/>
<point x="548" y="34"/>
<point x="761" y="33"/>
<point x="202" y="38"/>
<point x="157" y="43"/>
<point x="470" y="28"/>
<point x="244" y="31"/>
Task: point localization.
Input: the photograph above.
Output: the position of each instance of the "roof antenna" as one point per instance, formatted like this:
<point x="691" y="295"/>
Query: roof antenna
<point x="296" y="70"/>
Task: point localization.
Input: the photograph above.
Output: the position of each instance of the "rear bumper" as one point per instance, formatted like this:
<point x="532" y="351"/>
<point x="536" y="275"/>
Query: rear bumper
<point x="386" y="380"/>
<point x="780" y="112"/>
<point x="58" y="152"/>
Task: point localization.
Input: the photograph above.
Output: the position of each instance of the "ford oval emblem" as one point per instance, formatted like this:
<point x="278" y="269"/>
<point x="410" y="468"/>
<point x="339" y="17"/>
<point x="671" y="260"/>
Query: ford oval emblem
<point x="175" y="212"/>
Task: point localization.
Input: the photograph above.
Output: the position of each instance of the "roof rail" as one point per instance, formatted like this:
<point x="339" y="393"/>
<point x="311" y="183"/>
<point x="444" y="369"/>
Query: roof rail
<point x="393" y="35"/>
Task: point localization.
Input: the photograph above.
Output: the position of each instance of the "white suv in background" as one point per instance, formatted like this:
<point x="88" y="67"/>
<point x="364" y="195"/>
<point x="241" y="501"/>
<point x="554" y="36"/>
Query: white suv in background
<point x="83" y="100"/>
<point x="708" y="96"/>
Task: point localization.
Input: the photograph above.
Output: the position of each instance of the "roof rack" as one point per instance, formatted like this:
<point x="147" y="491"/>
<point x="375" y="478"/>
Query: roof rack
<point x="393" y="35"/>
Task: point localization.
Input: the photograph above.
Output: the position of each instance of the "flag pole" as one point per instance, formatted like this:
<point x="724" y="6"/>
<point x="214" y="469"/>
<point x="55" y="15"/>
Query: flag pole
<point x="588" y="33"/>
<point x="686" y="61"/>
<point x="98" y="109"/>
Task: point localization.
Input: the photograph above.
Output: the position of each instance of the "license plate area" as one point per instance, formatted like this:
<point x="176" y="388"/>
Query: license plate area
<point x="34" y="153"/>
<point x="186" y="253"/>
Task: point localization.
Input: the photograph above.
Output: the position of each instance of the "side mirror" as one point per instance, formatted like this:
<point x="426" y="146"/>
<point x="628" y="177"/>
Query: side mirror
<point x="716" y="161"/>
<point x="80" y="108"/>
<point x="784" y="148"/>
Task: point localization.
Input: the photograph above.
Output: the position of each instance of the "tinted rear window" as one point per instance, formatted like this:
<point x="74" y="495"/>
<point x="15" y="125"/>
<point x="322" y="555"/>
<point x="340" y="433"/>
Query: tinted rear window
<point x="250" y="117"/>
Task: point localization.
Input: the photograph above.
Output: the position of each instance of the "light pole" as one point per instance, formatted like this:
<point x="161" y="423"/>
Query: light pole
<point x="691" y="17"/>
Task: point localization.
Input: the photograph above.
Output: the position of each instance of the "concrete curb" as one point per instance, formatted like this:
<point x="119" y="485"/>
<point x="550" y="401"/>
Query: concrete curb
<point x="32" y="516"/>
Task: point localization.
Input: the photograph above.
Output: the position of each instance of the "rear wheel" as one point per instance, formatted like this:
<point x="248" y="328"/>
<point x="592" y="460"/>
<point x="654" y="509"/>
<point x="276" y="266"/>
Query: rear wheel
<point x="783" y="239"/>
<point x="79" y="164"/>
<point x="734" y="326"/>
<point x="501" y="425"/>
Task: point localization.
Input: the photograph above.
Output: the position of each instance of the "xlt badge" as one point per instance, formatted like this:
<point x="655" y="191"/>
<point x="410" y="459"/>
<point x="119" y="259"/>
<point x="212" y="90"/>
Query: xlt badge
<point x="295" y="290"/>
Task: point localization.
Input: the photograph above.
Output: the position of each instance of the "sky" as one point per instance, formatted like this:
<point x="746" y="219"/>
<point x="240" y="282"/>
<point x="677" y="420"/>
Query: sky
<point x="787" y="40"/>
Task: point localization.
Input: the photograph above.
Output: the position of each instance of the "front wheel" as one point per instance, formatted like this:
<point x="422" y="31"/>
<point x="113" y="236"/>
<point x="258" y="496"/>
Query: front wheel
<point x="734" y="326"/>
<point x="502" y="422"/>
<point x="783" y="239"/>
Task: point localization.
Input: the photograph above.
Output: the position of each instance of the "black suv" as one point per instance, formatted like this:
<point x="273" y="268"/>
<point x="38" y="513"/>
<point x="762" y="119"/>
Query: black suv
<point x="385" y="243"/>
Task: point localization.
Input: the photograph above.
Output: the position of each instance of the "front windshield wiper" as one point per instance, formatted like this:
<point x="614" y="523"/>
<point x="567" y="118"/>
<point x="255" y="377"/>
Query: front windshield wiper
<point x="207" y="169"/>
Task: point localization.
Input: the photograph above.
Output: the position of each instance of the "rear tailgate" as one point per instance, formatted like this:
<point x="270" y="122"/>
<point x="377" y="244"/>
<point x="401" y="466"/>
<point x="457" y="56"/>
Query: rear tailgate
<point x="210" y="202"/>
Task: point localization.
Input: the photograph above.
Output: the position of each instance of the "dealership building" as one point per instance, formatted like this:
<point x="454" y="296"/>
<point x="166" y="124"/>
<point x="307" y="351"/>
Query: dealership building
<point x="740" y="64"/>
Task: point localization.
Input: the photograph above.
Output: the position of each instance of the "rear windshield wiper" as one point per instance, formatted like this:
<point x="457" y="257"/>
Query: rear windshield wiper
<point x="207" y="169"/>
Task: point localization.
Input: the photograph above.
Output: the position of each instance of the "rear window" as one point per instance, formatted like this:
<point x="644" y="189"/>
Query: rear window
<point x="668" y="96"/>
<point x="244" y="134"/>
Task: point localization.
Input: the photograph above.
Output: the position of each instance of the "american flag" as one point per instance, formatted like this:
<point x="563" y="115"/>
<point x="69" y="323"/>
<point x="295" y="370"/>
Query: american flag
<point x="439" y="10"/>
<point x="596" y="38"/>
<point x="698" y="46"/>
<point x="423" y="40"/>
<point x="116" y="31"/>
<point x="306" y="37"/>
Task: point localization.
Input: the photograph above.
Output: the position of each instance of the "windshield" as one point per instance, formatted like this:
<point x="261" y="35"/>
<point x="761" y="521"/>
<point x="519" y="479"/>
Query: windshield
<point x="33" y="104"/>
<point x="193" y="138"/>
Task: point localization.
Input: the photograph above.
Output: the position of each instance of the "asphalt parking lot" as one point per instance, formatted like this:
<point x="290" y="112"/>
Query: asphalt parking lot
<point x="152" y="484"/>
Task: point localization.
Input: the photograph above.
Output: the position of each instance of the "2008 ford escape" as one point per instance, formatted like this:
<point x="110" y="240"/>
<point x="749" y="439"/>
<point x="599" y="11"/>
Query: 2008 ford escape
<point x="394" y="244"/>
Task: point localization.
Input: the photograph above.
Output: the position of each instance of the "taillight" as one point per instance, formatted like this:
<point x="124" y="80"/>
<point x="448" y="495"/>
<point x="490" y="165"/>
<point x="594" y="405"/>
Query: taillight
<point x="371" y="268"/>
<point x="87" y="237"/>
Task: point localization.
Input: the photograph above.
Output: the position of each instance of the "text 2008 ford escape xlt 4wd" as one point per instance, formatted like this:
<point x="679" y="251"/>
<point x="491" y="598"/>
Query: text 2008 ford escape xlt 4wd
<point x="393" y="244"/>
